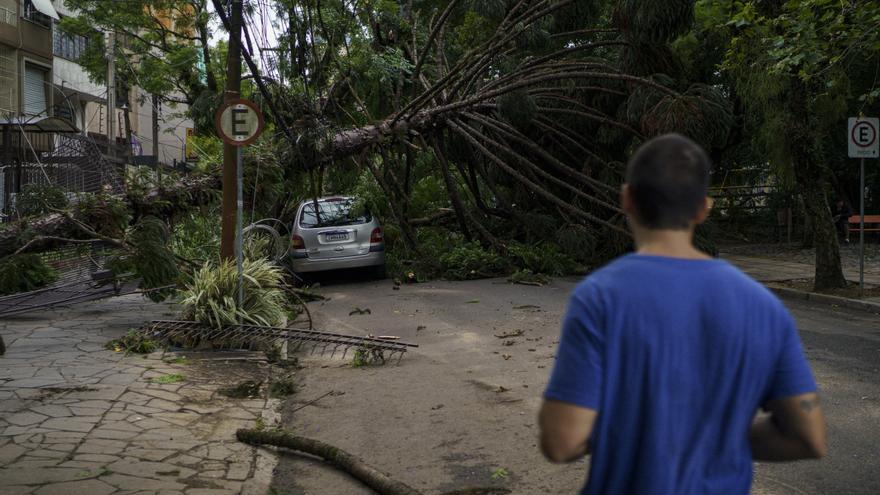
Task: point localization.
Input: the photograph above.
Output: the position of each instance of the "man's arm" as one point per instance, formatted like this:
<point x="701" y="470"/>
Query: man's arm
<point x="565" y="430"/>
<point x="795" y="429"/>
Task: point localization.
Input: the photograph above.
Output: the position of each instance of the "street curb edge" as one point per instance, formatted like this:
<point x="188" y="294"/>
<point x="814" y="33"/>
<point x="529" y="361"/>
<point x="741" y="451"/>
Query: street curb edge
<point x="824" y="298"/>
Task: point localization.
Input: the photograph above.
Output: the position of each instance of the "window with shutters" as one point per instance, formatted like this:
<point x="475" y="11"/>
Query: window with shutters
<point x="8" y="80"/>
<point x="66" y="45"/>
<point x="35" y="94"/>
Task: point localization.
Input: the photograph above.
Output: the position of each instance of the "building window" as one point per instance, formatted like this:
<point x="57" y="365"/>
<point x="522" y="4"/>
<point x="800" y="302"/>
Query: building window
<point x="32" y="14"/>
<point x="66" y="45"/>
<point x="35" y="94"/>
<point x="8" y="78"/>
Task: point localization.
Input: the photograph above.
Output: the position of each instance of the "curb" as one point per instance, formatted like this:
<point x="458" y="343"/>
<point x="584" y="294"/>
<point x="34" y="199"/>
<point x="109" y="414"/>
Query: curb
<point x="824" y="298"/>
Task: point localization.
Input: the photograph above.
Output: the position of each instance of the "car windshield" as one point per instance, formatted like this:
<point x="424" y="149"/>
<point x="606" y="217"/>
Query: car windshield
<point x="334" y="212"/>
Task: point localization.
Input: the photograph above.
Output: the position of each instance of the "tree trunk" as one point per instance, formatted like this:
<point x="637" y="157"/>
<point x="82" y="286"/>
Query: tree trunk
<point x="829" y="273"/>
<point x="805" y="138"/>
<point x="183" y="194"/>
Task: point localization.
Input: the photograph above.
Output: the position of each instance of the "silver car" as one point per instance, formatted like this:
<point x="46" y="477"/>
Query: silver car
<point x="341" y="235"/>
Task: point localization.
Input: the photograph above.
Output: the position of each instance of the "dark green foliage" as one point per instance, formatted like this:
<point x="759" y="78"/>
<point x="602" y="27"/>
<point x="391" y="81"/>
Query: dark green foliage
<point x="107" y="214"/>
<point x="23" y="273"/>
<point x="654" y="21"/>
<point x="544" y="258"/>
<point x="281" y="388"/>
<point x="580" y="14"/>
<point x="150" y="259"/>
<point x="471" y="261"/>
<point x="196" y="236"/>
<point x="39" y="199"/>
<point x="517" y="107"/>
<point x="704" y="241"/>
<point x="133" y="342"/>
<point x="577" y="242"/>
<point x="701" y="113"/>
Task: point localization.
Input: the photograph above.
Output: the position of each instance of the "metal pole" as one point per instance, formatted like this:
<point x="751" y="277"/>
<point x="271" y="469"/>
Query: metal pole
<point x="111" y="94"/>
<point x="862" y="225"/>
<point x="156" y="139"/>
<point x="238" y="235"/>
<point x="233" y="88"/>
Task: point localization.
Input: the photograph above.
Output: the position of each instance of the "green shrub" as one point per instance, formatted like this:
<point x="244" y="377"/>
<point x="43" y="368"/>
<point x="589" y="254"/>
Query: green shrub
<point x="197" y="236"/>
<point x="471" y="261"/>
<point x="576" y="241"/>
<point x="542" y="258"/>
<point x="23" y="273"/>
<point x="211" y="296"/>
<point x="37" y="199"/>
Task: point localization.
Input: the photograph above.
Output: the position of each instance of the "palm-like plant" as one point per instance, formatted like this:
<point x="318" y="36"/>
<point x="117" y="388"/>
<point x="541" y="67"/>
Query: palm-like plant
<point x="211" y="296"/>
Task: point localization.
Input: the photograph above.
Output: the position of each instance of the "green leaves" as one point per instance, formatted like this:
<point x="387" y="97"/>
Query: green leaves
<point x="210" y="297"/>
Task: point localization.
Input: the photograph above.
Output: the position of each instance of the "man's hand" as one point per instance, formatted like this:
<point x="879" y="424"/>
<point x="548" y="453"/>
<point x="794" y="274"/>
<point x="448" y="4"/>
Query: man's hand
<point x="794" y="430"/>
<point x="565" y="429"/>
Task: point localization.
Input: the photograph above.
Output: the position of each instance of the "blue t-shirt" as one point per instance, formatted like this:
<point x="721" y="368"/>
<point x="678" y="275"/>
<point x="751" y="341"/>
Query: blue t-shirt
<point x="676" y="356"/>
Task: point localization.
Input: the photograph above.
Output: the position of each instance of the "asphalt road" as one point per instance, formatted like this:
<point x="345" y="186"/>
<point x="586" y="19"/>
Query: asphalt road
<point x="462" y="407"/>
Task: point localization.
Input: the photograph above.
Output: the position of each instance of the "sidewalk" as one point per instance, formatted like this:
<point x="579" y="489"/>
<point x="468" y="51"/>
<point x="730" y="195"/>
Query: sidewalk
<point x="767" y="270"/>
<point x="78" y="419"/>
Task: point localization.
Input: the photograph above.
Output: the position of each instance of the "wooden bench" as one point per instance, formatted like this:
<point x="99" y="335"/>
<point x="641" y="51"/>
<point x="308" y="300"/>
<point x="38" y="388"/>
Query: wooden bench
<point x="872" y="223"/>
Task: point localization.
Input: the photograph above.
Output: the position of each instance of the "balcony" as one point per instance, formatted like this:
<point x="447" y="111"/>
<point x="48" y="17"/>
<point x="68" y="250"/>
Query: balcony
<point x="8" y="16"/>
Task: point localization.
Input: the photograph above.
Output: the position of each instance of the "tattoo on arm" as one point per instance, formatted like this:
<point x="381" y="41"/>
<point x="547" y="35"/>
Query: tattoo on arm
<point x="808" y="405"/>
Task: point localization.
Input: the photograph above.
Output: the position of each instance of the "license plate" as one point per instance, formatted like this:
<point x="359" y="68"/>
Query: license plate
<point x="337" y="237"/>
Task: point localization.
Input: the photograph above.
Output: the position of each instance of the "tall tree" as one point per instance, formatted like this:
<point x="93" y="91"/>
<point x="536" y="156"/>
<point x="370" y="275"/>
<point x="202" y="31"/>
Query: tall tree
<point x="791" y="63"/>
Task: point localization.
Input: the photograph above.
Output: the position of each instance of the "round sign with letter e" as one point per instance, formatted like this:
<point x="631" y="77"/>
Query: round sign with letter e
<point x="863" y="138"/>
<point x="239" y="122"/>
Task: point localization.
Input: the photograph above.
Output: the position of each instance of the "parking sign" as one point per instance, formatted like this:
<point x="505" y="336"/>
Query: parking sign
<point x="862" y="137"/>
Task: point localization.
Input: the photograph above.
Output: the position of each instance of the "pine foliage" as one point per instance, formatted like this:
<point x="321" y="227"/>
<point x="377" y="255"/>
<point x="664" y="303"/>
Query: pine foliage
<point x="23" y="273"/>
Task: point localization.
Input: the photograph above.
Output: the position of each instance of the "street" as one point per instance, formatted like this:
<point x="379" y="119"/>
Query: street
<point x="461" y="409"/>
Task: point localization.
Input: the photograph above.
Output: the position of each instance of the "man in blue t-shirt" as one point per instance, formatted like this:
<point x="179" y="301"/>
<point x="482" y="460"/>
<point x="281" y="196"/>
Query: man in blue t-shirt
<point x="667" y="354"/>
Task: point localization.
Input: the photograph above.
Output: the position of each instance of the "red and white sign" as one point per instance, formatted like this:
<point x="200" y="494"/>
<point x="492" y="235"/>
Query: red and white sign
<point x="862" y="137"/>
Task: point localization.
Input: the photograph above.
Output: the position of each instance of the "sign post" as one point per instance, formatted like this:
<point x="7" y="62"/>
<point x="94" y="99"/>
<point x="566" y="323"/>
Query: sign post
<point x="239" y="122"/>
<point x="863" y="143"/>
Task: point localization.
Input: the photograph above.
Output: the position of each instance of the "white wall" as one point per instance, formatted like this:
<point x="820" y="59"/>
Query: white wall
<point x="172" y="129"/>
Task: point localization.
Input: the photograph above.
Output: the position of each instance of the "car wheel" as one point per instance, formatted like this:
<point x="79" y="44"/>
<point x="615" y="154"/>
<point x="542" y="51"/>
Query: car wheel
<point x="378" y="272"/>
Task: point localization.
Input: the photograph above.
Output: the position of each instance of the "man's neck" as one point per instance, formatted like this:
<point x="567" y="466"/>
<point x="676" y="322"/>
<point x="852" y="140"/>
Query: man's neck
<point x="669" y="243"/>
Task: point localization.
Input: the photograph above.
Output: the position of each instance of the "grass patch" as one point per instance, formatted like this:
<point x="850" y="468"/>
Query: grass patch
<point x="133" y="342"/>
<point x="166" y="379"/>
<point x="499" y="473"/>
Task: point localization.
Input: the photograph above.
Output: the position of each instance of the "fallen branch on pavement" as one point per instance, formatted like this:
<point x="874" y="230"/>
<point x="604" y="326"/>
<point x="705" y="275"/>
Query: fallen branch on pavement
<point x="351" y="464"/>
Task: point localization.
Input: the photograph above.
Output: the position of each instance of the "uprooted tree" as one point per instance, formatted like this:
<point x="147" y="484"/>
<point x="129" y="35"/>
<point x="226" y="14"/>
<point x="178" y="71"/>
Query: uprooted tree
<point x="517" y="114"/>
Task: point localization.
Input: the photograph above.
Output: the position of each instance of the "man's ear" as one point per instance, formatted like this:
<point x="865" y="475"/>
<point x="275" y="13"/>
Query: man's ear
<point x="703" y="212"/>
<point x="626" y="202"/>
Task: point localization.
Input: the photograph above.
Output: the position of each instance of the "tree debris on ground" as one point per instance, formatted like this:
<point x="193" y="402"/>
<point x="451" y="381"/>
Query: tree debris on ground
<point x="351" y="464"/>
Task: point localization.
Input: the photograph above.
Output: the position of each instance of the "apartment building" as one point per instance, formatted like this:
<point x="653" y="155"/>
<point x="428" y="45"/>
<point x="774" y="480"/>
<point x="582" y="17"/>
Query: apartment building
<point x="53" y="117"/>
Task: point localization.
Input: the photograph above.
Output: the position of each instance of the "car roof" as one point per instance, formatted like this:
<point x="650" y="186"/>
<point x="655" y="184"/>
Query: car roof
<point x="328" y="199"/>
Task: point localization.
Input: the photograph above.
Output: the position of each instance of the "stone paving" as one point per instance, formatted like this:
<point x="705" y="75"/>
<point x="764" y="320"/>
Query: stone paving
<point x="78" y="419"/>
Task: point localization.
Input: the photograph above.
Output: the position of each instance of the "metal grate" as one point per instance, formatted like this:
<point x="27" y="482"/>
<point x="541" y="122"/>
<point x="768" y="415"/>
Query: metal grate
<point x="192" y="334"/>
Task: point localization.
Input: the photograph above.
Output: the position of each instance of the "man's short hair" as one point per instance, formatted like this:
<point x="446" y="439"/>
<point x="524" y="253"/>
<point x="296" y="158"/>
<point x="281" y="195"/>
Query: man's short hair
<point x="668" y="179"/>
